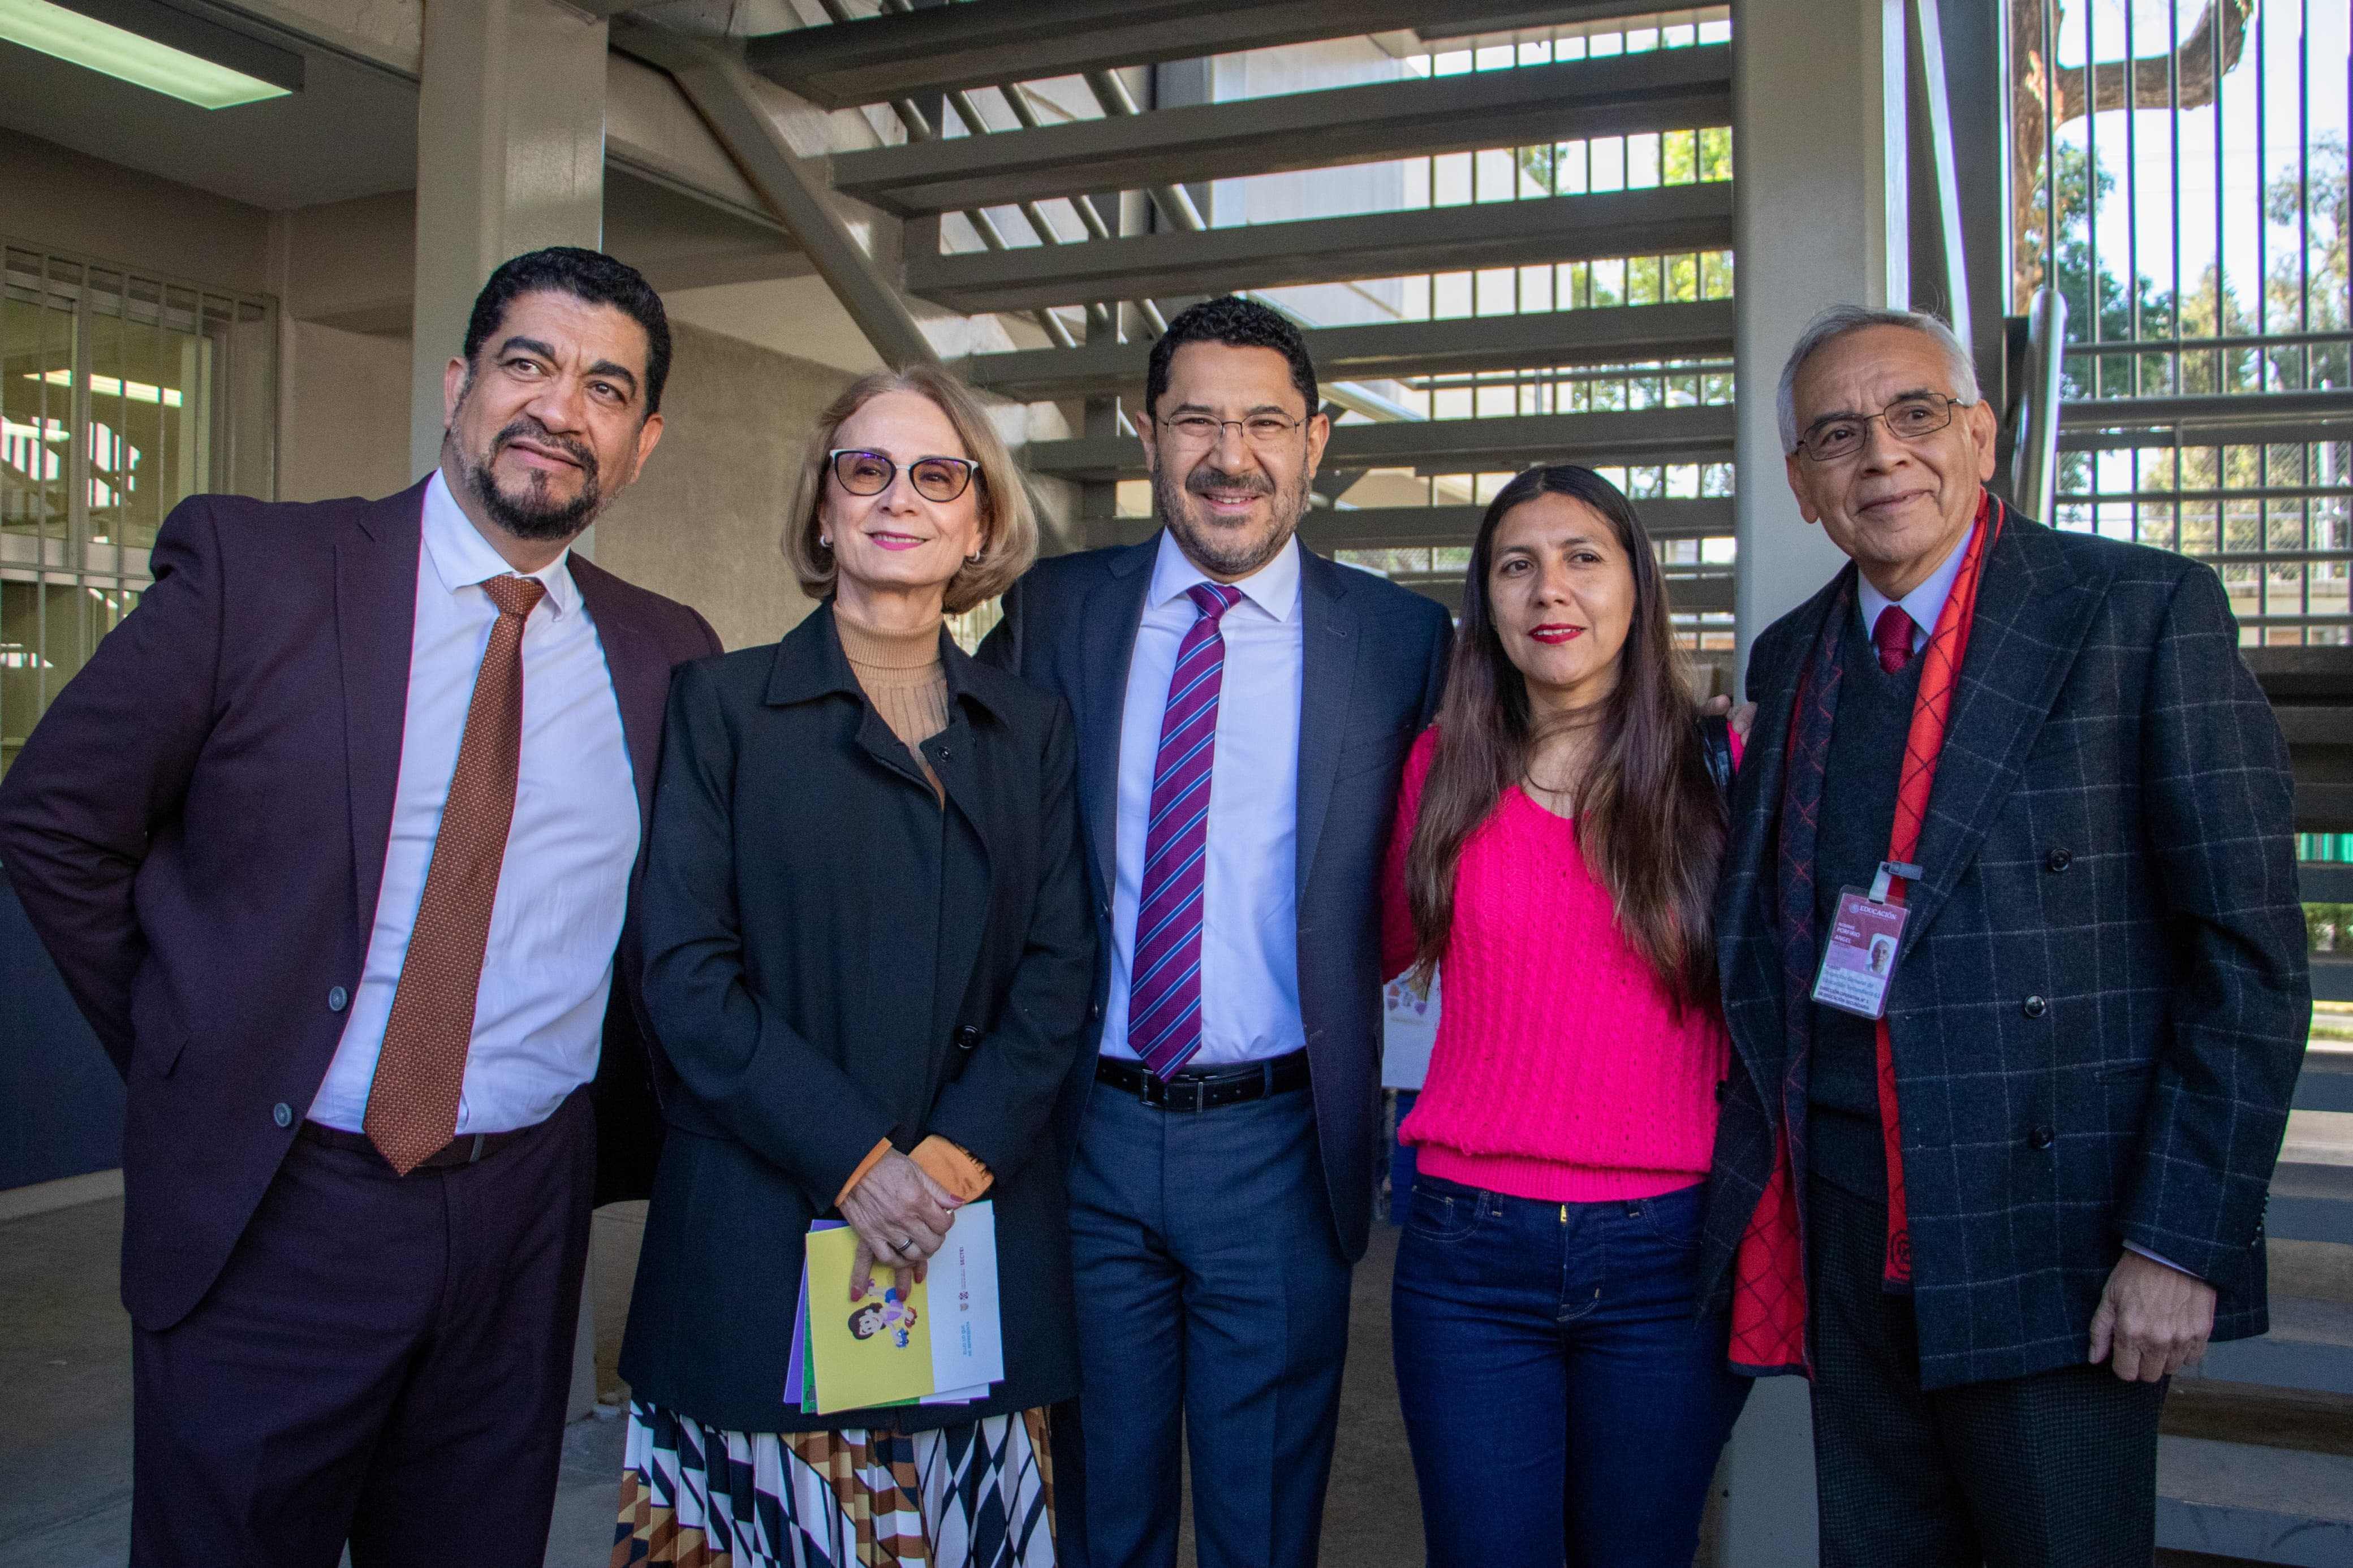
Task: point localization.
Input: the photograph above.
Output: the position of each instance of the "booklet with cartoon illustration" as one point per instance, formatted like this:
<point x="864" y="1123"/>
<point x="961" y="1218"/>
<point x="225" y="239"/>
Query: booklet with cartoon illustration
<point x="901" y="1342"/>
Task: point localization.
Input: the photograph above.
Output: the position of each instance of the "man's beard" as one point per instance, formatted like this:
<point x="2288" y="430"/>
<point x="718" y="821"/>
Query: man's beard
<point x="535" y="515"/>
<point x="1228" y="549"/>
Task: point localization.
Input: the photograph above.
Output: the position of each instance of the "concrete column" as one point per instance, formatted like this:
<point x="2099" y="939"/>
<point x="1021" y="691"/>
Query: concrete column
<point x="1820" y="218"/>
<point x="510" y="157"/>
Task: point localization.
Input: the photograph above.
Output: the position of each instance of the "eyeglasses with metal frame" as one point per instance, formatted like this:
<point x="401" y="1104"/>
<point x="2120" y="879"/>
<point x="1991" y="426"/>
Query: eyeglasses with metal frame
<point x="864" y="473"/>
<point x="1909" y="419"/>
<point x="1260" y="430"/>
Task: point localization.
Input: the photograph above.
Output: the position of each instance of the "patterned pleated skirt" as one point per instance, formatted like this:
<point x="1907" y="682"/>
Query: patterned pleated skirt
<point x="976" y="1495"/>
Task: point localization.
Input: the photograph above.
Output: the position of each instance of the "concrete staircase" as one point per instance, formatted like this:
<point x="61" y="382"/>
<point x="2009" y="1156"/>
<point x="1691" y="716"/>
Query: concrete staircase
<point x="2256" y="1463"/>
<point x="2279" y="1487"/>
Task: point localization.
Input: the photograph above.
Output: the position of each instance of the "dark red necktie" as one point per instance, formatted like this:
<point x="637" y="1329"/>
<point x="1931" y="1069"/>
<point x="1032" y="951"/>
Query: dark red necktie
<point x="1892" y="635"/>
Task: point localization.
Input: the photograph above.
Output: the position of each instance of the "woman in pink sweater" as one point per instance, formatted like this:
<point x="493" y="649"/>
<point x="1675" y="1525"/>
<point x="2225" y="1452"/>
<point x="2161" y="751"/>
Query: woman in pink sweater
<point x="1556" y="852"/>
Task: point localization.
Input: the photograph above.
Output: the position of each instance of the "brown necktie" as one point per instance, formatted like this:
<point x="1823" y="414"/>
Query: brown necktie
<point x="411" y="1109"/>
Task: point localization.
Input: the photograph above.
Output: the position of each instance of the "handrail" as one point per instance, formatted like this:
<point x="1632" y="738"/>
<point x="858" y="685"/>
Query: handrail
<point x="2034" y="462"/>
<point x="1926" y="59"/>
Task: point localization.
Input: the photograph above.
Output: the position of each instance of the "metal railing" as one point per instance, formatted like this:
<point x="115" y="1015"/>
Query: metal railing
<point x="2034" y="460"/>
<point x="121" y="392"/>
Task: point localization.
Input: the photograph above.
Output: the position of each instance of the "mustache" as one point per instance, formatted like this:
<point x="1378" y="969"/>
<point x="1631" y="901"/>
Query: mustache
<point x="529" y="429"/>
<point x="1202" y="480"/>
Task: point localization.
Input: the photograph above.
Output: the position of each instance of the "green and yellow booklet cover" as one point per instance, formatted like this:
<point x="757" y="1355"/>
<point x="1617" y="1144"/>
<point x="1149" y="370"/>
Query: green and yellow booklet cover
<point x="886" y="1347"/>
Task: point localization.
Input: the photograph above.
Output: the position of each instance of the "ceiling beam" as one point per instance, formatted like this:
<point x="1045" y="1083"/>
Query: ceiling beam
<point x="726" y="96"/>
<point x="1329" y="250"/>
<point x="1103" y="368"/>
<point x="2209" y="419"/>
<point x="941" y="48"/>
<point x="1665" y="89"/>
<point x="1645" y="436"/>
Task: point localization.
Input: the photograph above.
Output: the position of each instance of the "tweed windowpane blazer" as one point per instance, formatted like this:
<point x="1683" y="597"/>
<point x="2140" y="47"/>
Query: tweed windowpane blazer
<point x="2102" y="997"/>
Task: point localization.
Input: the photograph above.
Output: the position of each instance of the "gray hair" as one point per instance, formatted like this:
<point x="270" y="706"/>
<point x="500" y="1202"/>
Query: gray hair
<point x="1837" y="322"/>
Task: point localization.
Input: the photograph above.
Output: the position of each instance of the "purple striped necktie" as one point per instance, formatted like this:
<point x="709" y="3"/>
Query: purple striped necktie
<point x="1164" y="998"/>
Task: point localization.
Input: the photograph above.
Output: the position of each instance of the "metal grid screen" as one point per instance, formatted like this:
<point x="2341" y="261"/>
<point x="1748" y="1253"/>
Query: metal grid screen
<point x="121" y="392"/>
<point x="2180" y="177"/>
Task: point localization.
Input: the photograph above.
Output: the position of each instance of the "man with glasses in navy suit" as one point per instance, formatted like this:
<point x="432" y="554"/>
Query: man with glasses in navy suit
<point x="1244" y="710"/>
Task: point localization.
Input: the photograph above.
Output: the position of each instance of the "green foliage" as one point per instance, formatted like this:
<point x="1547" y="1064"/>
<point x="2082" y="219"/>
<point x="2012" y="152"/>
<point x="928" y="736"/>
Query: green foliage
<point x="2305" y="289"/>
<point x="2328" y="928"/>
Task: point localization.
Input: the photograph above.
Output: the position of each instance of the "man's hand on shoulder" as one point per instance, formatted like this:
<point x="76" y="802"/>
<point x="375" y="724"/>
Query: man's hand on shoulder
<point x="1740" y="717"/>
<point x="2153" y="1320"/>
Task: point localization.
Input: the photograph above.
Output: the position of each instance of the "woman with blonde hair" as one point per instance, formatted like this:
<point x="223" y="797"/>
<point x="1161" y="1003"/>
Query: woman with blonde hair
<point x="867" y="962"/>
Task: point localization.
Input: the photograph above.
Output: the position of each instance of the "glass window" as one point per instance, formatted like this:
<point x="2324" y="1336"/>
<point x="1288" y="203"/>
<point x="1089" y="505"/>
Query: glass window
<point x="120" y="395"/>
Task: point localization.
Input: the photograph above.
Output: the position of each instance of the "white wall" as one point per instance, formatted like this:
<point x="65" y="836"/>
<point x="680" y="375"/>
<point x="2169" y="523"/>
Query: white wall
<point x="57" y="199"/>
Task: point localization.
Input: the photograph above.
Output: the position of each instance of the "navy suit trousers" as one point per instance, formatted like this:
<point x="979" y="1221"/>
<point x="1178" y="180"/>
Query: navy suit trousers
<point x="1213" y="1303"/>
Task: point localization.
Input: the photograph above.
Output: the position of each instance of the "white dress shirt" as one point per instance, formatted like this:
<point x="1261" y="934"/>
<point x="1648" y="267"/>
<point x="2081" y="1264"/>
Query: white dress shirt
<point x="539" y="1015"/>
<point x="1249" y="901"/>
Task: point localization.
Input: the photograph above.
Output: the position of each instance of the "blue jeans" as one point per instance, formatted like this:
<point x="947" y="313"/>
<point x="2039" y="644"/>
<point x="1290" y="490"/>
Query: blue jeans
<point x="1564" y="1401"/>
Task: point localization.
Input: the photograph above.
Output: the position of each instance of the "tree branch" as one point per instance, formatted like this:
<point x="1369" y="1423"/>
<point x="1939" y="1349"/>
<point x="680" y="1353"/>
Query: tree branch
<point x="2191" y="68"/>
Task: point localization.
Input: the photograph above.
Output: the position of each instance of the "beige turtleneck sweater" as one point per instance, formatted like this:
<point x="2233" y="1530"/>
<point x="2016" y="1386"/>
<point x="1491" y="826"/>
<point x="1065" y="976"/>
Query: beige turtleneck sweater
<point x="902" y="675"/>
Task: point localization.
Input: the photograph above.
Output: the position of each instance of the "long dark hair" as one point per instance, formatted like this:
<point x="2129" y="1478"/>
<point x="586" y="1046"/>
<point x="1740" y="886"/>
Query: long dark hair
<point x="1649" y="819"/>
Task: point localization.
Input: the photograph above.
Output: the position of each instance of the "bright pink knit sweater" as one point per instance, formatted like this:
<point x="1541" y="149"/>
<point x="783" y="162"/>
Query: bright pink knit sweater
<point x="1561" y="1071"/>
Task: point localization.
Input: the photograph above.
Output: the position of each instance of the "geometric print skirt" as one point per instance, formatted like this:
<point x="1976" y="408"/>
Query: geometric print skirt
<point x="975" y="1495"/>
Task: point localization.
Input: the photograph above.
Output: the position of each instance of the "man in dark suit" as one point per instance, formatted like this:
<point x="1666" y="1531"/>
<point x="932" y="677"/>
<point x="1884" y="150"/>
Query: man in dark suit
<point x="2036" y="1189"/>
<point x="1244" y="707"/>
<point x="344" y="906"/>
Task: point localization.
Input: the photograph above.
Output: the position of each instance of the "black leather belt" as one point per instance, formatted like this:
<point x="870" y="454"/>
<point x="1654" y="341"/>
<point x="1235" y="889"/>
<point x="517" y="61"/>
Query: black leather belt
<point x="465" y="1151"/>
<point x="1205" y="1090"/>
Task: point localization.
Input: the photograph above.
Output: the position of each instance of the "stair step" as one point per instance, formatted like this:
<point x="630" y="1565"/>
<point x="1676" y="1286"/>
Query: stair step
<point x="2328" y="1080"/>
<point x="2311" y="1201"/>
<point x="2332" y="978"/>
<point x="2241" y="1500"/>
<point x="2310" y="1346"/>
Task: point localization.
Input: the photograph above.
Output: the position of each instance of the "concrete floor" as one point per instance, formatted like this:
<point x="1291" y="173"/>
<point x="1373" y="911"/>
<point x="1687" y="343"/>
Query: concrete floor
<point x="66" y="1448"/>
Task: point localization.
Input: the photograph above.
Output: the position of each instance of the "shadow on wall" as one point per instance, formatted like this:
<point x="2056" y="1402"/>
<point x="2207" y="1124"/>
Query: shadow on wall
<point x="60" y="1101"/>
<point x="703" y="524"/>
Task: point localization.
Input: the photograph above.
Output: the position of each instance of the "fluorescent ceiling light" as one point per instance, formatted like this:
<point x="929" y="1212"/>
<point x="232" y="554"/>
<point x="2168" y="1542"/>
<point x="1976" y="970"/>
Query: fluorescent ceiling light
<point x="112" y="386"/>
<point x="153" y="46"/>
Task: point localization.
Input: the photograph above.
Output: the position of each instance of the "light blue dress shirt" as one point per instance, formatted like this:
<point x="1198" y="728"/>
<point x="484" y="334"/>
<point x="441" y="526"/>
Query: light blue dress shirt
<point x="547" y="969"/>
<point x="1249" y="900"/>
<point x="1923" y="604"/>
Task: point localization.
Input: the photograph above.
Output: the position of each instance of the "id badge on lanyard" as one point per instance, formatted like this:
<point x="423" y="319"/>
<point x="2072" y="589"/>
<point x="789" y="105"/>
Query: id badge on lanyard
<point x="1858" y="964"/>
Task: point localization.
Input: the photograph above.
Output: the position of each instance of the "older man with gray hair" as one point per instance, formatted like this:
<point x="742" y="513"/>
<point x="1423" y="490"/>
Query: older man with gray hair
<point x="1991" y="1194"/>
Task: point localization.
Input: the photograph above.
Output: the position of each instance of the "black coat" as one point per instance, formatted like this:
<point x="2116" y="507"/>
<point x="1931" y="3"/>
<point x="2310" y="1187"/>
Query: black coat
<point x="2101" y="999"/>
<point x="832" y="959"/>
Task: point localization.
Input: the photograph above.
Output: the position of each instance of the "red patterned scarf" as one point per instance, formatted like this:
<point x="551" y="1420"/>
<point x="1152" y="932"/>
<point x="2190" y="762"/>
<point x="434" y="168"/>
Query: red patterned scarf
<point x="1769" y="1294"/>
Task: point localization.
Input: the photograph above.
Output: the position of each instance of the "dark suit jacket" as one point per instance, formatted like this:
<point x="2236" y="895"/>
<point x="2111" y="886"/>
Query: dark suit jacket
<point x="832" y="960"/>
<point x="198" y="830"/>
<point x="2101" y="998"/>
<point x="1375" y="667"/>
